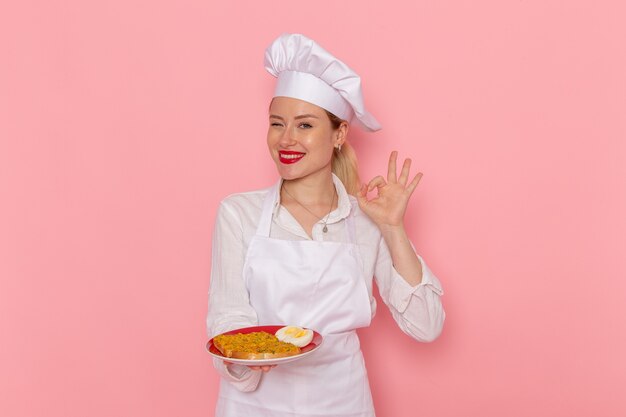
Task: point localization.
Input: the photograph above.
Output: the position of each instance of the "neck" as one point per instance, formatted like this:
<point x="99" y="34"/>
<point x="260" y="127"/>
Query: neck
<point x="317" y="189"/>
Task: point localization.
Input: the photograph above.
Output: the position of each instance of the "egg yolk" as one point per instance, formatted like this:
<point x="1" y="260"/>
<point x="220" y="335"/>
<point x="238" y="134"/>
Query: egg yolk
<point x="295" y="335"/>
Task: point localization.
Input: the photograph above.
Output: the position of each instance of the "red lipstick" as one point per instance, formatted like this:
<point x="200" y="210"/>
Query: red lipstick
<point x="290" y="157"/>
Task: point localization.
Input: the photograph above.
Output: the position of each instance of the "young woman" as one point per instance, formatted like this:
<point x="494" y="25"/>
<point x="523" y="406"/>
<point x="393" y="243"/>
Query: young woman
<point x="305" y="251"/>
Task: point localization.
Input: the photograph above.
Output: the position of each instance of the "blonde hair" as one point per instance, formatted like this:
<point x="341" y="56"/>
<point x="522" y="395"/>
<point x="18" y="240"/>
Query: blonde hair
<point x="344" y="163"/>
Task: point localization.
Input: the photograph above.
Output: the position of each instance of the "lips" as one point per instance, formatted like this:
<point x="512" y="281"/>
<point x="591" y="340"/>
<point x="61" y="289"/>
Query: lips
<point x="290" y="157"/>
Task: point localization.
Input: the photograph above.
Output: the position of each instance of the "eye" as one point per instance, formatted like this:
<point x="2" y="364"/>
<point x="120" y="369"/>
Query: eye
<point x="275" y="124"/>
<point x="305" y="125"/>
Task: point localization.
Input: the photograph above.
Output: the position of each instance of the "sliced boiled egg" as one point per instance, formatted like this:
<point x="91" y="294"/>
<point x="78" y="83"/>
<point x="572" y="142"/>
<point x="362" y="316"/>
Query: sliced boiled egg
<point x="295" y="335"/>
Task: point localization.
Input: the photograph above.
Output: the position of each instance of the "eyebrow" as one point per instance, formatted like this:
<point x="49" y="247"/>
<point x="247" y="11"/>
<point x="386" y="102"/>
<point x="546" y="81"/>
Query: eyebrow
<point x="302" y="116"/>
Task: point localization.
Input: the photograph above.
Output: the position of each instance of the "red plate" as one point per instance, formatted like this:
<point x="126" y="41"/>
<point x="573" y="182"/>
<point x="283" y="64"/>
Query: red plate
<point x="305" y="351"/>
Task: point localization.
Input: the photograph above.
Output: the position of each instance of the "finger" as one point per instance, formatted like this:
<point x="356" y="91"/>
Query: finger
<point x="404" y="174"/>
<point x="376" y="182"/>
<point x="413" y="184"/>
<point x="391" y="173"/>
<point x="264" y="368"/>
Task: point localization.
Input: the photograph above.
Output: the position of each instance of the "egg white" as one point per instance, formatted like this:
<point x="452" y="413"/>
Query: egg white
<point x="295" y="335"/>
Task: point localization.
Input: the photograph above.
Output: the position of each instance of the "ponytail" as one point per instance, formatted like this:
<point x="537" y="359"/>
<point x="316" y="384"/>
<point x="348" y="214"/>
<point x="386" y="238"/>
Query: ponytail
<point x="344" y="166"/>
<point x="344" y="163"/>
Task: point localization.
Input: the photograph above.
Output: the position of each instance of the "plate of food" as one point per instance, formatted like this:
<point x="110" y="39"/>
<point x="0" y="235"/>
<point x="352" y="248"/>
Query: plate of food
<point x="264" y="345"/>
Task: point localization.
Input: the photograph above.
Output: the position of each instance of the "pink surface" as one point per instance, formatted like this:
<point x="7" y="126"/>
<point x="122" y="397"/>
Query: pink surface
<point x="122" y="125"/>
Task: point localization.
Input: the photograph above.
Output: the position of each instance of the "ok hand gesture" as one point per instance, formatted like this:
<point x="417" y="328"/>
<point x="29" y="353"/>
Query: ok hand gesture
<point x="388" y="207"/>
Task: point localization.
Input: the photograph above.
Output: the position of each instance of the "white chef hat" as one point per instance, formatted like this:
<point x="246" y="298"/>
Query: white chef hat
<point x="308" y="72"/>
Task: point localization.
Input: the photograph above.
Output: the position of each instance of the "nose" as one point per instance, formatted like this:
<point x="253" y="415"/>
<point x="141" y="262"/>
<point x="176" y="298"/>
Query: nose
<point x="287" y="138"/>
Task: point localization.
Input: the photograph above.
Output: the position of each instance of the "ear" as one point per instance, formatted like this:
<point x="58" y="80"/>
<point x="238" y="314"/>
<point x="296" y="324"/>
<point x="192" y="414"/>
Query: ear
<point x="341" y="133"/>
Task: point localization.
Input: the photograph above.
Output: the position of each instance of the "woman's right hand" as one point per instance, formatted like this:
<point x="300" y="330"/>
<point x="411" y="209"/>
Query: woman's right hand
<point x="264" y="368"/>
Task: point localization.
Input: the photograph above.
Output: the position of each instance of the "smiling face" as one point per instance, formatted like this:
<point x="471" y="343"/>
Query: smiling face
<point x="301" y="138"/>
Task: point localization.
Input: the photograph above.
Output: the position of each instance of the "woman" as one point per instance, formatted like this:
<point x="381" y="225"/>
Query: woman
<point x="305" y="251"/>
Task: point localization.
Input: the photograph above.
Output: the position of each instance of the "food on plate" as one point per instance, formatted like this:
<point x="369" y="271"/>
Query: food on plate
<point x="295" y="335"/>
<point x="255" y="345"/>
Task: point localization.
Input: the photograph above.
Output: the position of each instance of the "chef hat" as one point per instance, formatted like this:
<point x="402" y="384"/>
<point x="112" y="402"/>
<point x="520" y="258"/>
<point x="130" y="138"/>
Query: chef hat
<point x="308" y="72"/>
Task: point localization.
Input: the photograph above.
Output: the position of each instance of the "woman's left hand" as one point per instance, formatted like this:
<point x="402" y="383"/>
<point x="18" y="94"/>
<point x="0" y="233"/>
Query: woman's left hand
<point x="388" y="207"/>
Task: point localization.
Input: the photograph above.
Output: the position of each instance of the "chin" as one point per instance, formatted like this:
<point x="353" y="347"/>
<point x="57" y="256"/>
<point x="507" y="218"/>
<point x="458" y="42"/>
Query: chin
<point x="288" y="175"/>
<point x="287" y="172"/>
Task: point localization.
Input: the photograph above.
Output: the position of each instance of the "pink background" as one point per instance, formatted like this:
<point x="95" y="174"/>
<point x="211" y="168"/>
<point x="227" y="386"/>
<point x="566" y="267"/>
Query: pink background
<point x="122" y="125"/>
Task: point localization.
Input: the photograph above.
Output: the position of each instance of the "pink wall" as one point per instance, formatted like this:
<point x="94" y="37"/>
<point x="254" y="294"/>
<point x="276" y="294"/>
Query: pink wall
<point x="118" y="125"/>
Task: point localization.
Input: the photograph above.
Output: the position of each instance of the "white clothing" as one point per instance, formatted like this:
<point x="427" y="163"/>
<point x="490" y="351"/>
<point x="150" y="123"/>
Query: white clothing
<point x="308" y="72"/>
<point x="417" y="310"/>
<point x="316" y="285"/>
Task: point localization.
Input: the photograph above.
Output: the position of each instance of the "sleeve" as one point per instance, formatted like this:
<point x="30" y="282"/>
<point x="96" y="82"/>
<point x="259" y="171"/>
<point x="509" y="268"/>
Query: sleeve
<point x="229" y="305"/>
<point x="417" y="309"/>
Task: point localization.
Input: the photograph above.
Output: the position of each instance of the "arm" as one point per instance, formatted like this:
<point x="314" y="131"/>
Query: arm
<point x="229" y="306"/>
<point x="404" y="258"/>
<point x="416" y="308"/>
<point x="406" y="284"/>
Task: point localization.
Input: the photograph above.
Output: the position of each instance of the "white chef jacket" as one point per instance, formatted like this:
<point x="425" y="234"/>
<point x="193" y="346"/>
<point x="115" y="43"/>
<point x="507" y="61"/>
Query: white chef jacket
<point x="417" y="310"/>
